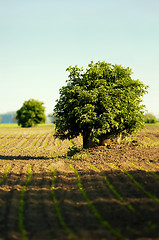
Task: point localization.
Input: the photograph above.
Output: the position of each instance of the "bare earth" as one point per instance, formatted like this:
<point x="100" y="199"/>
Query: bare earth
<point x="109" y="192"/>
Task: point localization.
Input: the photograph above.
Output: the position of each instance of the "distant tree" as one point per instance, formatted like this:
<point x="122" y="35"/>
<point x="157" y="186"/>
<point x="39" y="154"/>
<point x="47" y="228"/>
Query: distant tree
<point x="150" y="118"/>
<point x="14" y="118"/>
<point x="31" y="113"/>
<point x="102" y="101"/>
<point x="0" y="118"/>
<point x="50" y="117"/>
<point x="7" y="117"/>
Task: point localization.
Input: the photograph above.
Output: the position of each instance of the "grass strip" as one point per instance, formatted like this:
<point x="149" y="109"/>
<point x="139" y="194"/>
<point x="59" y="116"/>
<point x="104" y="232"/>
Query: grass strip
<point x="10" y="141"/>
<point x="144" y="169"/>
<point x="105" y="223"/>
<point x="57" y="208"/>
<point x="21" y="206"/>
<point x="5" y="175"/>
<point x="9" y="125"/>
<point x="111" y="187"/>
<point x="151" y="196"/>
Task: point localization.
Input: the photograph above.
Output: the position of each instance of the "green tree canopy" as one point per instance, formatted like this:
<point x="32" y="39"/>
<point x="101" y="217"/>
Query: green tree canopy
<point x="101" y="101"/>
<point x="150" y="118"/>
<point x="31" y="113"/>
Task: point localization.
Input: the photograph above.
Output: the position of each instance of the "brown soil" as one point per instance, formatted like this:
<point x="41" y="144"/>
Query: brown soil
<point x="84" y="210"/>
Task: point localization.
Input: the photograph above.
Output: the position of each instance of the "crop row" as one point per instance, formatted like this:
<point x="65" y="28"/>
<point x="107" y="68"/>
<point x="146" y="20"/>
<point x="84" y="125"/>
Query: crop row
<point x="34" y="142"/>
<point x="31" y="139"/>
<point x="151" y="196"/>
<point x="22" y="206"/>
<point x="93" y="208"/>
<point x="5" y="144"/>
<point x="4" y="138"/>
<point x="5" y="175"/>
<point x="58" y="211"/>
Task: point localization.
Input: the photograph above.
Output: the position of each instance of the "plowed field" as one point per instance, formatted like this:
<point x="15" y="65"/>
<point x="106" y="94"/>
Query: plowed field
<point x="109" y="192"/>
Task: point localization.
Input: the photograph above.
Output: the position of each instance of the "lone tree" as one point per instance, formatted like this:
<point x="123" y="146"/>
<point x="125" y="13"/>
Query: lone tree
<point x="31" y="113"/>
<point x="99" y="102"/>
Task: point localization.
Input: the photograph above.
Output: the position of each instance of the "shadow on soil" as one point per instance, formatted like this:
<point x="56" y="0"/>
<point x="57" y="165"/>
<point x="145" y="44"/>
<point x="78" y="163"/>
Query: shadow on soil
<point x="71" y="152"/>
<point x="20" y="157"/>
<point x="40" y="218"/>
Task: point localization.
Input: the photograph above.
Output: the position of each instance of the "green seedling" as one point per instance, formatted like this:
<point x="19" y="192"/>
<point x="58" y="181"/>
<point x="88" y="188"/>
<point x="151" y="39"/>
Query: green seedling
<point x="21" y="206"/>
<point x="151" y="163"/>
<point x="93" y="208"/>
<point x="5" y="137"/>
<point x="10" y="142"/>
<point x="24" y="141"/>
<point x="118" y="196"/>
<point x="5" y="175"/>
<point x="19" y="144"/>
<point x="47" y="140"/>
<point x="33" y="144"/>
<point x="58" y="143"/>
<point x="81" y="139"/>
<point x="151" y="196"/>
<point x="155" y="143"/>
<point x="71" y="143"/>
<point x="57" y="208"/>
<point x="144" y="169"/>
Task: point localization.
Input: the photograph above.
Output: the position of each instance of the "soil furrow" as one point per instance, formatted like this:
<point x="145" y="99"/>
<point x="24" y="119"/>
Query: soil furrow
<point x="87" y="210"/>
<point x="33" y="217"/>
<point x="11" y="191"/>
<point x="75" y="210"/>
<point x="10" y="143"/>
<point x="48" y="209"/>
<point x="36" y="197"/>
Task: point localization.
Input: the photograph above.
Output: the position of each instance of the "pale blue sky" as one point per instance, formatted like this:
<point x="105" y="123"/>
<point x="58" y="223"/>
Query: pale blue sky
<point x="39" y="39"/>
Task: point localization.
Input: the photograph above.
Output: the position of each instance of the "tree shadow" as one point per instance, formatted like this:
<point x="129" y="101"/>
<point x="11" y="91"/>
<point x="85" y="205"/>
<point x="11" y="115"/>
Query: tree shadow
<point x="41" y="217"/>
<point x="20" y="157"/>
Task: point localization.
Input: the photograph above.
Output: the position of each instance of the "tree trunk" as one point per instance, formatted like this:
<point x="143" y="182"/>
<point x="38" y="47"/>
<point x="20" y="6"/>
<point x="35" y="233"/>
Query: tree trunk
<point x="103" y="141"/>
<point x="87" y="142"/>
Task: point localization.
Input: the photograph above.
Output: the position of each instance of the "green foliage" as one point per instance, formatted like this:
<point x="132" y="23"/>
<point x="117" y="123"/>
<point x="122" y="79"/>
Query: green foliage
<point x="31" y="113"/>
<point x="72" y="151"/>
<point x="99" y="102"/>
<point x="150" y="118"/>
